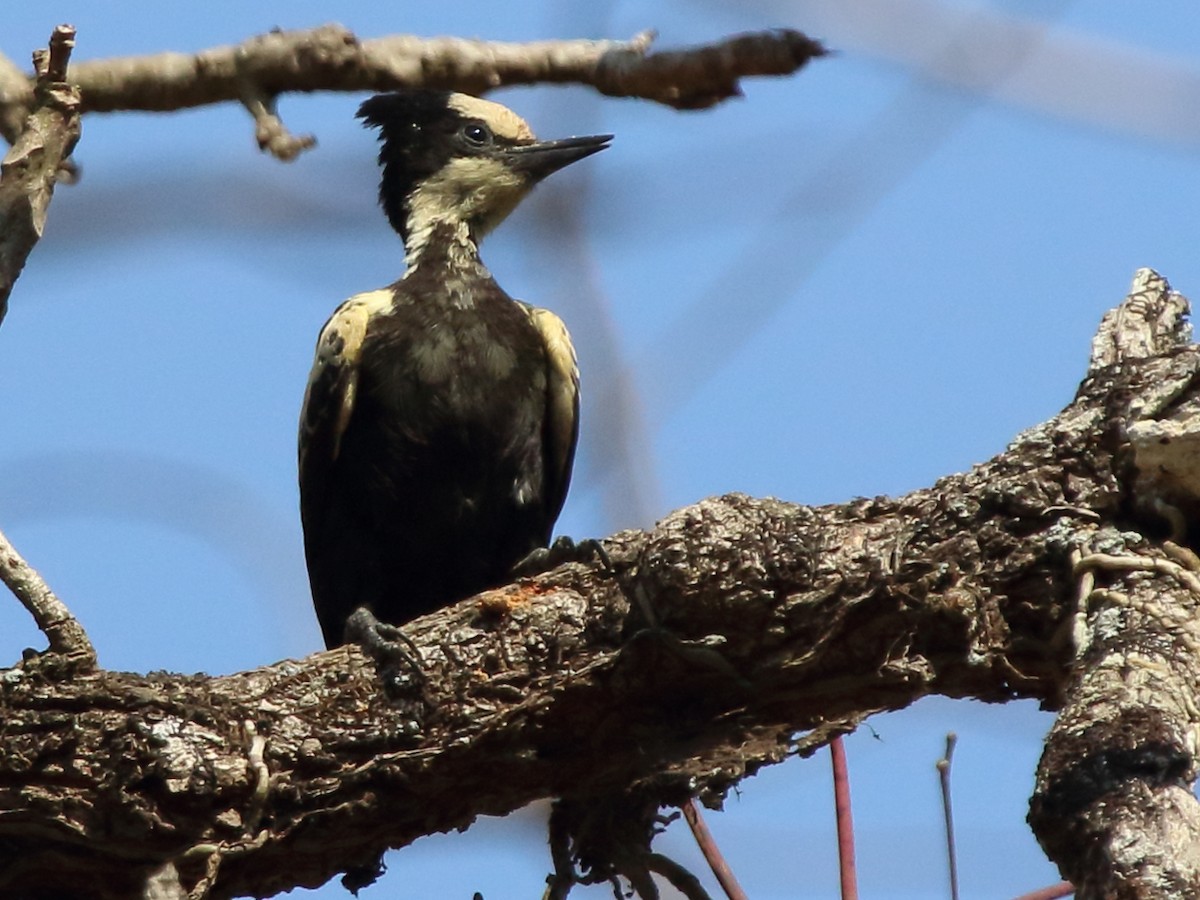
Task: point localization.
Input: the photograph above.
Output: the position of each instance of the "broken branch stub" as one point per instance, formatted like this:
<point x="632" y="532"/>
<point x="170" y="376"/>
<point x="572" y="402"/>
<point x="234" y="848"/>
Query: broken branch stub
<point x="1113" y="803"/>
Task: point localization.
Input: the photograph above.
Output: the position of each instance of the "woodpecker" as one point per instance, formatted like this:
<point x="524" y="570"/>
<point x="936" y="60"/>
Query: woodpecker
<point x="441" y="415"/>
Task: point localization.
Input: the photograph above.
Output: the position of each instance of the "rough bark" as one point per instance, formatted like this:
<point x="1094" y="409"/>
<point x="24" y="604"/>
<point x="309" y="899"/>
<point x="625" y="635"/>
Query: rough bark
<point x="734" y="634"/>
<point x="1114" y="804"/>
<point x="31" y="167"/>
<point x="56" y="855"/>
<point x="779" y="626"/>
<point x="331" y="58"/>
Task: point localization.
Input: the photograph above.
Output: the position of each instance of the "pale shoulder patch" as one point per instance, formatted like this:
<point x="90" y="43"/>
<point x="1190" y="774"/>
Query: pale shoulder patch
<point x="502" y="120"/>
<point x="562" y="396"/>
<point x="342" y="336"/>
<point x="559" y="349"/>
<point x="333" y="381"/>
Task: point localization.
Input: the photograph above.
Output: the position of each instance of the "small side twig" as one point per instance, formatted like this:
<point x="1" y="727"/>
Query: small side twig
<point x="943" y="768"/>
<point x="847" y="872"/>
<point x="272" y="135"/>
<point x="67" y="637"/>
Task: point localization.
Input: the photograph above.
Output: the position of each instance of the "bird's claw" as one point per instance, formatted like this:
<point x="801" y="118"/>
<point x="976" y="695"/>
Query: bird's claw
<point x="396" y="657"/>
<point x="563" y="550"/>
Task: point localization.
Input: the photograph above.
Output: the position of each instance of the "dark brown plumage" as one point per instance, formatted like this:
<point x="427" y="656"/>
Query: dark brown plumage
<point x="441" y="416"/>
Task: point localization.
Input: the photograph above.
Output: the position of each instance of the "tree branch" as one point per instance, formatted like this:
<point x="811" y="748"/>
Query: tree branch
<point x="779" y="626"/>
<point x="66" y="636"/>
<point x="29" y="170"/>
<point x="331" y="58"/>
<point x="27" y="178"/>
<point x="1114" y="803"/>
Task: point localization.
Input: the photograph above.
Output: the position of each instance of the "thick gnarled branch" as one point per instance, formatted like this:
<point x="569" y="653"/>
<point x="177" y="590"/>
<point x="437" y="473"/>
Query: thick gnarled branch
<point x="779" y="626"/>
<point x="1114" y="804"/>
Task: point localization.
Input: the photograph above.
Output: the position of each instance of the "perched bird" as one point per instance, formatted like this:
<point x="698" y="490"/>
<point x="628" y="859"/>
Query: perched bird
<point x="440" y="419"/>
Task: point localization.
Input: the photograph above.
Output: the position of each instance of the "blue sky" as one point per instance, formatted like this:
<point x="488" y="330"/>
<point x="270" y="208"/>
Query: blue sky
<point x="849" y="283"/>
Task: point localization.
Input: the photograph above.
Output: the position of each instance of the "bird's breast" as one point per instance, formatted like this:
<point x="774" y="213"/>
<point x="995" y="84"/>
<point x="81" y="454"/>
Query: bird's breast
<point x="474" y="369"/>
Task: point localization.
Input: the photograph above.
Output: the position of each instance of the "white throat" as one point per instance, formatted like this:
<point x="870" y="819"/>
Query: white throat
<point x="469" y="191"/>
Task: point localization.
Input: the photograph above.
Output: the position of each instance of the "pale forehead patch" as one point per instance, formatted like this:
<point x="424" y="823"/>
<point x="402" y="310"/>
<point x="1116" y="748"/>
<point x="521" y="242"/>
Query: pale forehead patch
<point x="502" y="120"/>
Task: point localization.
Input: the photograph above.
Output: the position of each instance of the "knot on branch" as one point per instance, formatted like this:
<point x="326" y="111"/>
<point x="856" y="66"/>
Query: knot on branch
<point x="700" y="77"/>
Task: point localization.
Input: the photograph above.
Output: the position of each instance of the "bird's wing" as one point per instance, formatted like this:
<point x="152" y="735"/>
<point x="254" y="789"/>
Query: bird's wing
<point x="329" y="398"/>
<point x="562" y="407"/>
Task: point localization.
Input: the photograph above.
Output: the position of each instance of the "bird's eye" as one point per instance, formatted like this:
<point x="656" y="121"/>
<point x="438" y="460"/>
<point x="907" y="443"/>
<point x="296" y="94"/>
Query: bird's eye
<point x="476" y="134"/>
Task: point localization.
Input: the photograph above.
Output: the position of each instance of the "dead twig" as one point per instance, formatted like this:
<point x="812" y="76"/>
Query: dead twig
<point x="331" y="58"/>
<point x="943" y="768"/>
<point x="30" y="168"/>
<point x="62" y="629"/>
<point x="27" y="178"/>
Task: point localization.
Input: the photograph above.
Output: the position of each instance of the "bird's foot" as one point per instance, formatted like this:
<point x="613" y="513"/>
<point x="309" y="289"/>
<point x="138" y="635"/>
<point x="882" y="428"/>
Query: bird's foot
<point x="563" y="550"/>
<point x="397" y="658"/>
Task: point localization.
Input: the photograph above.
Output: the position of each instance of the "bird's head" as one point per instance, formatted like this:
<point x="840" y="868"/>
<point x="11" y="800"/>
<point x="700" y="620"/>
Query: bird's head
<point x="459" y="161"/>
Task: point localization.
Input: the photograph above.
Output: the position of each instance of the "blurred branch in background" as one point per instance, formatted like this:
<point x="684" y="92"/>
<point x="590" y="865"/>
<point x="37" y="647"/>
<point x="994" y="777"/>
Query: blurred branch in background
<point x="826" y="204"/>
<point x="618" y="456"/>
<point x="1073" y="77"/>
<point x="16" y="96"/>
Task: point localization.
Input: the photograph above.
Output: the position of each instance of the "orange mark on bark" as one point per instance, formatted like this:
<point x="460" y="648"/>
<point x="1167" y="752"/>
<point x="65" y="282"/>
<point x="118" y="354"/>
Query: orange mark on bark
<point x="503" y="601"/>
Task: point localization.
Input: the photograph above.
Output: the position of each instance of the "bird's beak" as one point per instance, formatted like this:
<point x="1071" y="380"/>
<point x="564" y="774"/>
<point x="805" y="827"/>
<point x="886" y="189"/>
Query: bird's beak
<point x="546" y="157"/>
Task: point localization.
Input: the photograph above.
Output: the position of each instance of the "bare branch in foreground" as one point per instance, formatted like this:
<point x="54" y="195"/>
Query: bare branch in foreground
<point x="30" y="168"/>
<point x="779" y="626"/>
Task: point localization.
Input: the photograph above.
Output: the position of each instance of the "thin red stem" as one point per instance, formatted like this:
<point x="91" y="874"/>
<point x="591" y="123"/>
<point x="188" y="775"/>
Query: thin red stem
<point x="1053" y="892"/>
<point x="712" y="853"/>
<point x="845" y="821"/>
